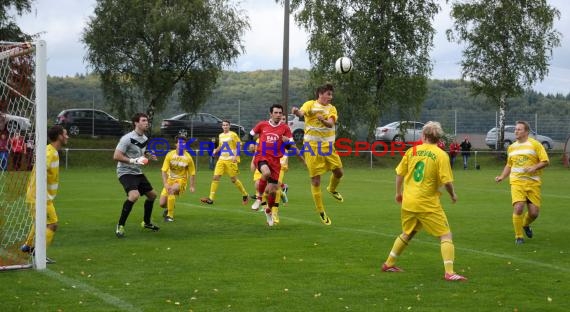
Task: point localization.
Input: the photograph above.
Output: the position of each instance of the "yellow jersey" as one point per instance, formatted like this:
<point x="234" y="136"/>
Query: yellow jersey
<point x="178" y="166"/>
<point x="425" y="169"/>
<point x="524" y="155"/>
<point x="52" y="166"/>
<point x="228" y="143"/>
<point x="315" y="130"/>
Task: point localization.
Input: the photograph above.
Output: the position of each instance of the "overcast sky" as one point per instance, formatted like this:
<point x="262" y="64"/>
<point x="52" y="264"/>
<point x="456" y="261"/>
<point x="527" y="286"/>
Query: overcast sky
<point x="63" y="21"/>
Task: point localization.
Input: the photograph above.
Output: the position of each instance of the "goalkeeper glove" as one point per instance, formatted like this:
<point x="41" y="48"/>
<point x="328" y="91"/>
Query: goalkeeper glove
<point x="139" y="160"/>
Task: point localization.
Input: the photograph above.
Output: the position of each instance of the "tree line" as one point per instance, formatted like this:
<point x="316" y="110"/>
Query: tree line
<point x="246" y="96"/>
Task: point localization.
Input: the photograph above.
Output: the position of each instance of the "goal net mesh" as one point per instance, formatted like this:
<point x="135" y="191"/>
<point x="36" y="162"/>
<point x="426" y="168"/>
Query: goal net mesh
<point x="17" y="149"/>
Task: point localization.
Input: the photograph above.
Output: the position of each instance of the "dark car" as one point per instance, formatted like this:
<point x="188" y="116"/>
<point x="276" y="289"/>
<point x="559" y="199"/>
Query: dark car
<point x="89" y="121"/>
<point x="200" y="125"/>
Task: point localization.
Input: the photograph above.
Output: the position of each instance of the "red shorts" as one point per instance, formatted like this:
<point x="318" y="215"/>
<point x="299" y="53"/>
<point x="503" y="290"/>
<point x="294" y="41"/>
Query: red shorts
<point x="274" y="164"/>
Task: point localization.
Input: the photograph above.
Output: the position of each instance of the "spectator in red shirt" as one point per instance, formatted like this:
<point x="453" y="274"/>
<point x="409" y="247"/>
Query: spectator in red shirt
<point x="454" y="149"/>
<point x="18" y="148"/>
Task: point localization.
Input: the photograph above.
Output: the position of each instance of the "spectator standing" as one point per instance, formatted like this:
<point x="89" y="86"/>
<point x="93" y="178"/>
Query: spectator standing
<point x="465" y="151"/>
<point x="3" y="151"/>
<point x="18" y="147"/>
<point x="454" y="149"/>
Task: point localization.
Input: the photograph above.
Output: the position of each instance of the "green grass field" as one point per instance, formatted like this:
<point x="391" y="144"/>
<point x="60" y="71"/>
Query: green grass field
<point x="224" y="257"/>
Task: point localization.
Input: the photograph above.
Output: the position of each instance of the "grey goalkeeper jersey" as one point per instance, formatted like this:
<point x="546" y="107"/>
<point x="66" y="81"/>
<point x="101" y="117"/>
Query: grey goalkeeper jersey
<point x="132" y="145"/>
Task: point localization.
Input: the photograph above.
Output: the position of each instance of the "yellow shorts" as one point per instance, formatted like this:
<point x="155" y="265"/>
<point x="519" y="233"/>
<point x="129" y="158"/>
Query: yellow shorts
<point x="180" y="181"/>
<point x="256" y="175"/>
<point x="524" y="193"/>
<point x="50" y="211"/>
<point x="226" y="167"/>
<point x="435" y="223"/>
<point x="318" y="164"/>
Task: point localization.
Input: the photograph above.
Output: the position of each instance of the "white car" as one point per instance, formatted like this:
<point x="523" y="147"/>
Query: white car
<point x="411" y="131"/>
<point x="13" y="123"/>
<point x="297" y="126"/>
<point x="491" y="138"/>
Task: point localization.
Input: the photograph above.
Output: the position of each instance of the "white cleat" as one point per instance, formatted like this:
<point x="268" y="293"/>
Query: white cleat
<point x="269" y="217"/>
<point x="256" y="205"/>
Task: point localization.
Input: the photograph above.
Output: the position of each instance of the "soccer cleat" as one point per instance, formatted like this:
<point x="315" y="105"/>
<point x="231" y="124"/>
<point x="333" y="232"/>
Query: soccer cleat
<point x="336" y="195"/>
<point x="269" y="217"/>
<point x="206" y="200"/>
<point x="49" y="260"/>
<point x="394" y="268"/>
<point x="254" y="197"/>
<point x="256" y="204"/>
<point x="454" y="277"/>
<point x="149" y="226"/>
<point x="245" y="199"/>
<point x="284" y="198"/>
<point x="275" y="215"/>
<point x="27" y="249"/>
<point x="519" y="241"/>
<point x="325" y="219"/>
<point x="120" y="231"/>
<point x="168" y="219"/>
<point x="527" y="231"/>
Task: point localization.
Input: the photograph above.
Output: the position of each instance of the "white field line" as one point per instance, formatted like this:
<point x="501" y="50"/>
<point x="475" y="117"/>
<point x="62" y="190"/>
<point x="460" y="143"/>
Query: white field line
<point x="110" y="299"/>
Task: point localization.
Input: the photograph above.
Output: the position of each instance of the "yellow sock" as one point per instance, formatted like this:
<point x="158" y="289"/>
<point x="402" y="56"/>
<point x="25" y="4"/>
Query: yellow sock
<point x="31" y="235"/>
<point x="213" y="189"/>
<point x="448" y="255"/>
<point x="527" y="219"/>
<point x="278" y="196"/>
<point x="517" y="225"/>
<point x="399" y="245"/>
<point x="49" y="236"/>
<point x="317" y="198"/>
<point x="240" y="187"/>
<point x="333" y="183"/>
<point x="170" y="205"/>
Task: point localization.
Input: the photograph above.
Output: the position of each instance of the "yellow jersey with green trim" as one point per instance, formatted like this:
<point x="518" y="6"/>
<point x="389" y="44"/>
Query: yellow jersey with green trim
<point x="178" y="166"/>
<point x="228" y="142"/>
<point x="524" y="155"/>
<point x="425" y="169"/>
<point x="52" y="178"/>
<point x="315" y="130"/>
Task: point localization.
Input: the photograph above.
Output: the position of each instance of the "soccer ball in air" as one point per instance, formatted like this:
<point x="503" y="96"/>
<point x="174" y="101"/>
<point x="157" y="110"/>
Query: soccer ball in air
<point x="343" y="65"/>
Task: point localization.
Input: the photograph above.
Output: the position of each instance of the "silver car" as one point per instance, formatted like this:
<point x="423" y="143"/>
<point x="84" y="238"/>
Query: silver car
<point x="399" y="131"/>
<point x="13" y="123"/>
<point x="491" y="138"/>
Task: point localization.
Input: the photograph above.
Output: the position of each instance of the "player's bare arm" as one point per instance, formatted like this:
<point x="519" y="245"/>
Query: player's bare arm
<point x="533" y="169"/>
<point x="297" y="112"/>
<point x="504" y="174"/>
<point x="329" y="123"/>
<point x="399" y="182"/>
<point x="451" y="191"/>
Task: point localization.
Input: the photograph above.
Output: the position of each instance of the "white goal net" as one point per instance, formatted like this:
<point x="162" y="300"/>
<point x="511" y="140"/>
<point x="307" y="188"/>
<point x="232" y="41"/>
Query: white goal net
<point x="22" y="93"/>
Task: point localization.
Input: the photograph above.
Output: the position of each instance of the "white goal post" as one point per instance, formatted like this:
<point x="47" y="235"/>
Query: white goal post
<point x="23" y="118"/>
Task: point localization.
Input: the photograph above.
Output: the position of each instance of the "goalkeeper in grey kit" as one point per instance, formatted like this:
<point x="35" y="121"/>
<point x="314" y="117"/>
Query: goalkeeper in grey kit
<point x="131" y="154"/>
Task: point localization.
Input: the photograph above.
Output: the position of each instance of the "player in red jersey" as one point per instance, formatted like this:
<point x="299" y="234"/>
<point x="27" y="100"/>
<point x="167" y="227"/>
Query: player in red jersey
<point x="272" y="137"/>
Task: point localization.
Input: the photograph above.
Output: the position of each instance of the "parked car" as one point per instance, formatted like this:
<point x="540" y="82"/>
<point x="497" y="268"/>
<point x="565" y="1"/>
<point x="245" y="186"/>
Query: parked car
<point x="297" y="126"/>
<point x="89" y="121"/>
<point x="399" y="131"/>
<point x="200" y="125"/>
<point x="491" y="138"/>
<point x="13" y="123"/>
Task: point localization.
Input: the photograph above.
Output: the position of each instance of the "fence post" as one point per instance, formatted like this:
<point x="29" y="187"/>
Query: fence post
<point x="66" y="152"/>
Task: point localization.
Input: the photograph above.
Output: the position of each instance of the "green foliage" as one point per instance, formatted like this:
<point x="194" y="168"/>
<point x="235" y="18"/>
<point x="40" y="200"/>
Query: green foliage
<point x="9" y="30"/>
<point x="143" y="50"/>
<point x="389" y="43"/>
<point x="256" y="90"/>
<point x="508" y="46"/>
